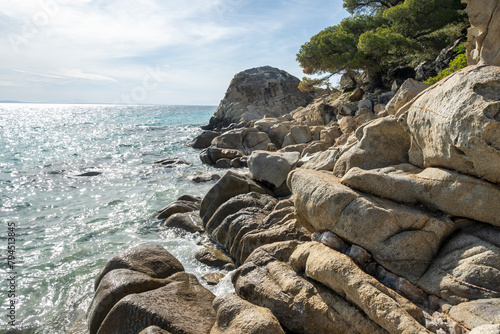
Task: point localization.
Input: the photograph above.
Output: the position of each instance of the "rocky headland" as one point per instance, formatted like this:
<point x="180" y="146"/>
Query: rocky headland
<point x="343" y="212"/>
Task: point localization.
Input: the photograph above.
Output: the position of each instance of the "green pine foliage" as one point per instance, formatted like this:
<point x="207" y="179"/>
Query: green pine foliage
<point x="456" y="64"/>
<point x="383" y="34"/>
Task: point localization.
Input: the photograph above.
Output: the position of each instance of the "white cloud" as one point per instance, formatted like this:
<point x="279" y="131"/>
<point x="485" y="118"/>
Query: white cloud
<point x="114" y="42"/>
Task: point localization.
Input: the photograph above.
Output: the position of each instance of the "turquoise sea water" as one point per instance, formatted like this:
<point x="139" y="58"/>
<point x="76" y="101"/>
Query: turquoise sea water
<point x="67" y="226"/>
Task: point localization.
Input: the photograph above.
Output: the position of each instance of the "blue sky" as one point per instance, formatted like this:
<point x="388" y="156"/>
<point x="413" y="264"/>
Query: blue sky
<point x="148" y="51"/>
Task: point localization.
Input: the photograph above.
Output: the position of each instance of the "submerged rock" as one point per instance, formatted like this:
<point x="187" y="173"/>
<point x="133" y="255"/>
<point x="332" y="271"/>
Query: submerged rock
<point x="90" y="174"/>
<point x="172" y="162"/>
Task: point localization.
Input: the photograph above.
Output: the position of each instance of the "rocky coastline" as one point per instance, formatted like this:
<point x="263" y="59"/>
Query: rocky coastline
<point x="341" y="212"/>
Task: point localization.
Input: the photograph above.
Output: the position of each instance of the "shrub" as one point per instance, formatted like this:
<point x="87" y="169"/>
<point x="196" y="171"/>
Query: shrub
<point x="456" y="64"/>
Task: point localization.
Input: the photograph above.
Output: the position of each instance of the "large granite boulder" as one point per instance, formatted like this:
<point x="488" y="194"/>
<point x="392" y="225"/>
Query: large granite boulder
<point x="256" y="92"/>
<point x="236" y="316"/>
<point x="204" y="139"/>
<point x="245" y="140"/>
<point x="338" y="272"/>
<point x="272" y="167"/>
<point x="113" y="287"/>
<point x="408" y="90"/>
<point x="484" y="33"/>
<point x="478" y="313"/>
<point x="455" y="124"/>
<point x="380" y="143"/>
<point x="402" y="238"/>
<point x="237" y="203"/>
<point x="301" y="305"/>
<point x="230" y="185"/>
<point x="183" y="204"/>
<point x="454" y="193"/>
<point x="181" y="306"/>
<point x="152" y="260"/>
<point x="467" y="266"/>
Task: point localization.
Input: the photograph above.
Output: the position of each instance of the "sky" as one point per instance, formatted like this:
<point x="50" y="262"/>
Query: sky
<point x="149" y="51"/>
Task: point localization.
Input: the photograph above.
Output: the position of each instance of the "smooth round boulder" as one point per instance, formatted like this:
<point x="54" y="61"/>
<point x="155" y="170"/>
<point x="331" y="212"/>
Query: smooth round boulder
<point x="152" y="260"/>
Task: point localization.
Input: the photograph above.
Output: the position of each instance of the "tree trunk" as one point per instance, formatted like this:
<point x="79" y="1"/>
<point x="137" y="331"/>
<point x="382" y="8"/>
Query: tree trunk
<point x="375" y="80"/>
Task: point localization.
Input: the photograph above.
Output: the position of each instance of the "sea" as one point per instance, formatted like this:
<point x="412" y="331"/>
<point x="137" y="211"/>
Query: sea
<point x="58" y="229"/>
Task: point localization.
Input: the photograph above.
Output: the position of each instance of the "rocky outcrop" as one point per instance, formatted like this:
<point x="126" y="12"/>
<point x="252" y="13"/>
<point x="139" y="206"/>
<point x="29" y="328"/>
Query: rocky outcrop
<point x="272" y="167"/>
<point x="382" y="142"/>
<point x="484" y="32"/>
<point x="408" y="90"/>
<point x="230" y="185"/>
<point x="436" y="188"/>
<point x="390" y="231"/>
<point x="152" y="260"/>
<point x="303" y="305"/>
<point x="204" y="139"/>
<point x="247" y="222"/>
<point x="182" y="205"/>
<point x="256" y="92"/>
<point x="236" y="316"/>
<point x="467" y="266"/>
<point x="460" y="133"/>
<point x="181" y="306"/>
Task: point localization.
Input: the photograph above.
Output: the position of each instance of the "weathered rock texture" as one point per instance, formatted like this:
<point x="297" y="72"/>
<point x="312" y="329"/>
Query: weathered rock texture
<point x="181" y="306"/>
<point x="467" y="266"/>
<point x="256" y="92"/>
<point x="113" y="287"/>
<point x="152" y="260"/>
<point x="484" y="32"/>
<point x="277" y="277"/>
<point x="248" y="221"/>
<point x="456" y="123"/>
<point x="440" y="189"/>
<point x="394" y="233"/>
<point x="380" y="143"/>
<point x="272" y="167"/>
<point x="408" y="90"/>
<point x="236" y="316"/>
<point x="230" y="185"/>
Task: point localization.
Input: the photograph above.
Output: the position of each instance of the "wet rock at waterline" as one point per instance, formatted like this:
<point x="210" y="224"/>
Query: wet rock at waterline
<point x="181" y="306"/>
<point x="152" y="260"/>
